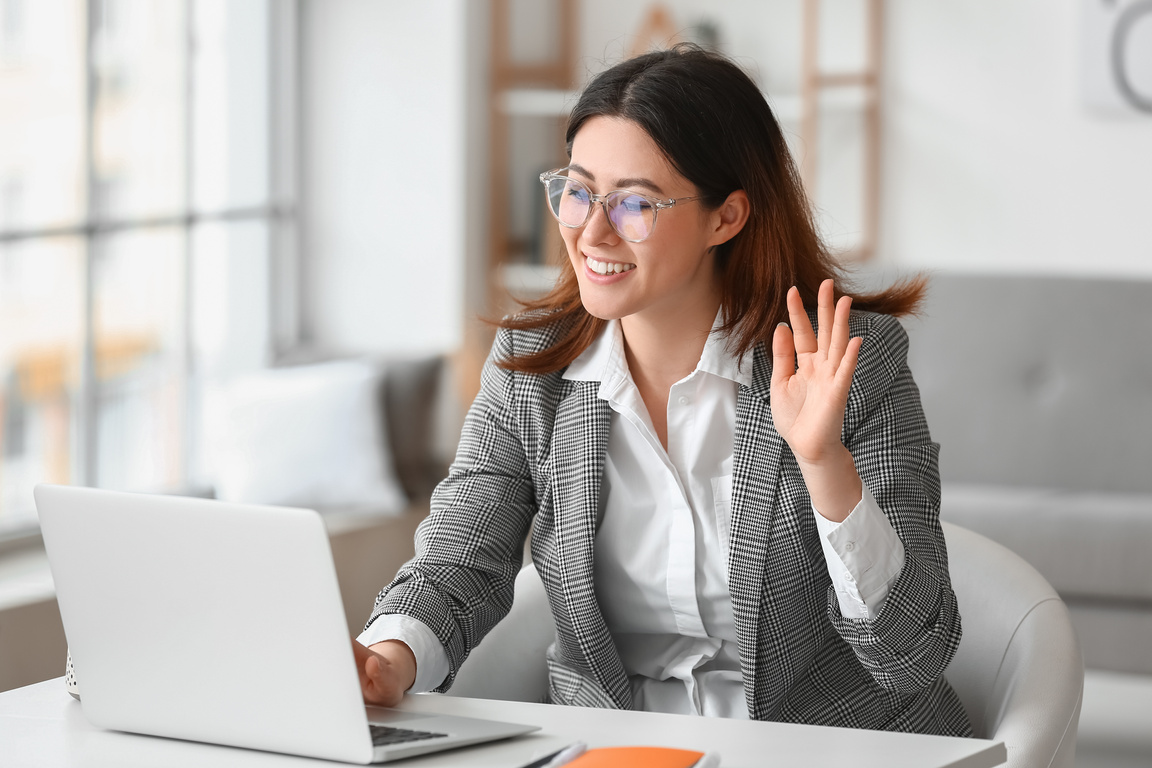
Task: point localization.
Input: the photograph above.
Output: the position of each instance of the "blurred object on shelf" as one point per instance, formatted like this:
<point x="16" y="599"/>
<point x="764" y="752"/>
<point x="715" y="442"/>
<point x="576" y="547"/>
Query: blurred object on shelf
<point x="657" y="31"/>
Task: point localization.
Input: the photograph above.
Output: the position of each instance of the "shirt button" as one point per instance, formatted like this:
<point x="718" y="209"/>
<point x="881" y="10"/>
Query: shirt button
<point x="848" y="578"/>
<point x="850" y="546"/>
<point x="683" y="401"/>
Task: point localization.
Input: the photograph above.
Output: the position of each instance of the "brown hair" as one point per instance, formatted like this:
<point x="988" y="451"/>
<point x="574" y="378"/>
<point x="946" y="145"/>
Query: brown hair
<point x="714" y="126"/>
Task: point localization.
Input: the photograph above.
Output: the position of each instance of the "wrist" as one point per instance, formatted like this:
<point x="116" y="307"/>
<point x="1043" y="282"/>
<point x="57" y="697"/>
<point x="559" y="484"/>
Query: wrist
<point x="834" y="485"/>
<point x="835" y="459"/>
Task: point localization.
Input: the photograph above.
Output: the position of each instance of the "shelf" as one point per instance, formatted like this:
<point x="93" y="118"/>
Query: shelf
<point x="788" y="107"/>
<point x="528" y="280"/>
<point x="555" y="102"/>
<point x="537" y="102"/>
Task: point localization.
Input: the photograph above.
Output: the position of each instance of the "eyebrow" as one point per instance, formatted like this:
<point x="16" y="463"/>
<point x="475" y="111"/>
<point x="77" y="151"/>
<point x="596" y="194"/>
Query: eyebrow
<point x="637" y="181"/>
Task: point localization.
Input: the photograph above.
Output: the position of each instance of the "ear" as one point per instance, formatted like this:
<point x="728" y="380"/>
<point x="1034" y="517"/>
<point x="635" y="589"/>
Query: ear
<point x="729" y="218"/>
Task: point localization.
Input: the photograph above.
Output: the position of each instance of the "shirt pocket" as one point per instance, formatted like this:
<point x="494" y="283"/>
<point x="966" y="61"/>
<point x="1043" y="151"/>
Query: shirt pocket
<point x="722" y="504"/>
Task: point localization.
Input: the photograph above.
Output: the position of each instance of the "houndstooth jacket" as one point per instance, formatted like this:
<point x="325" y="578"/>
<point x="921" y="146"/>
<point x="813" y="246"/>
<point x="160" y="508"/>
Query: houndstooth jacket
<point x="531" y="457"/>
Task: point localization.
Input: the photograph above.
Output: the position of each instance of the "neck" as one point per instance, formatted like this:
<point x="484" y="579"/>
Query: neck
<point x="662" y="351"/>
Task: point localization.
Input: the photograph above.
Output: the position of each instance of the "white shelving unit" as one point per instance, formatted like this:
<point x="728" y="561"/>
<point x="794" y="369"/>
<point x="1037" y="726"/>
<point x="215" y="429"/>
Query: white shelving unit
<point x="524" y="280"/>
<point x="537" y="102"/>
<point x="788" y="107"/>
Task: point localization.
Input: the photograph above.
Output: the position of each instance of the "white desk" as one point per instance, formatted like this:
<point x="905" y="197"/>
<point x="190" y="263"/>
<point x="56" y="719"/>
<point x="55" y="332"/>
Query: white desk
<point x="41" y="726"/>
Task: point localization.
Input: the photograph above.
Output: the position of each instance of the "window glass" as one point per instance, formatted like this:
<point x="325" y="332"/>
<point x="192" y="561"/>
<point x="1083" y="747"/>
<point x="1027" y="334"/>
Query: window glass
<point x="42" y="179"/>
<point x="139" y="54"/>
<point x="136" y="232"/>
<point x="41" y="301"/>
<point x="231" y="312"/>
<point x="231" y="105"/>
<point x="139" y="358"/>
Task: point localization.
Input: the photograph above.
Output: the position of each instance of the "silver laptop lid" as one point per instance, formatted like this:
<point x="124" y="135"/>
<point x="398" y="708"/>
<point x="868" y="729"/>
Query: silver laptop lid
<point x="203" y="620"/>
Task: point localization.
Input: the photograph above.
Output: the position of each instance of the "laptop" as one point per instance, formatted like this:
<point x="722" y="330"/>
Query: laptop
<point x="222" y="623"/>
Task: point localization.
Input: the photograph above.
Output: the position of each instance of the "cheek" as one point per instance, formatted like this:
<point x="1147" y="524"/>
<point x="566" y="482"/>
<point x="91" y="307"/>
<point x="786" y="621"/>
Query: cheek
<point x="570" y="236"/>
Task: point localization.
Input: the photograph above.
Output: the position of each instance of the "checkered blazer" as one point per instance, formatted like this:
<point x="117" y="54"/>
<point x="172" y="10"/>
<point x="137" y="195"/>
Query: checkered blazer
<point x="531" y="457"/>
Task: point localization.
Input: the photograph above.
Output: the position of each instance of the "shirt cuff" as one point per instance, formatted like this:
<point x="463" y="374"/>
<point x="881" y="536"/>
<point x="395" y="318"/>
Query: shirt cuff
<point x="864" y="557"/>
<point x="431" y="659"/>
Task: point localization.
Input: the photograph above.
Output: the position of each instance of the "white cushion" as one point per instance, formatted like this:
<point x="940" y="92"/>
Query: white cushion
<point x="308" y="436"/>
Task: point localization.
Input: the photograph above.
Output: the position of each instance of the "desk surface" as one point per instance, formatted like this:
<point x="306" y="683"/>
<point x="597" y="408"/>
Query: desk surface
<point x="41" y="726"/>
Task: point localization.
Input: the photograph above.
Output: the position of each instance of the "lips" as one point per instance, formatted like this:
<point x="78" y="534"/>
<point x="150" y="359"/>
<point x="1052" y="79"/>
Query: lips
<point x="607" y="267"/>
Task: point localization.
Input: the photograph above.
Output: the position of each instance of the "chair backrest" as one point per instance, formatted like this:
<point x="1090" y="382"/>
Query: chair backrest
<point x="1018" y="671"/>
<point x="509" y="664"/>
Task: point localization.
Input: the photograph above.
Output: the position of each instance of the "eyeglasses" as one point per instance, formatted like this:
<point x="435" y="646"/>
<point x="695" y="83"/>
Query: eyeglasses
<point x="631" y="215"/>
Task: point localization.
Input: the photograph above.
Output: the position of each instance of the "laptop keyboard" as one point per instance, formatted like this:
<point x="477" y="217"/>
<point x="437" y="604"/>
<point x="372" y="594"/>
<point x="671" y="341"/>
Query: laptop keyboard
<point x="383" y="734"/>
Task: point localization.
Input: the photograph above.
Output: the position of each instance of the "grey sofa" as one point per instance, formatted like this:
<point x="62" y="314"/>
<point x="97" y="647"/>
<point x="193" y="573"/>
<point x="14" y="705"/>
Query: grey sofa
<point x="1039" y="391"/>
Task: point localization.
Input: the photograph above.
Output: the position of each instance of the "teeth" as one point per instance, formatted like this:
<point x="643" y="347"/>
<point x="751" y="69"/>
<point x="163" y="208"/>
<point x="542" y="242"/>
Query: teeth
<point x="608" y="268"/>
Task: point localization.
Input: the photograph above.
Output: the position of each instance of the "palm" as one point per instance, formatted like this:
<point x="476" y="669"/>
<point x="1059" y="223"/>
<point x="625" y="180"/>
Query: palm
<point x="811" y="375"/>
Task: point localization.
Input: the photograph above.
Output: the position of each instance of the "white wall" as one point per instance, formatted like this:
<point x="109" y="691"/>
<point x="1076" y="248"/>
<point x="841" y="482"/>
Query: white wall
<point x="992" y="161"/>
<point x="383" y="134"/>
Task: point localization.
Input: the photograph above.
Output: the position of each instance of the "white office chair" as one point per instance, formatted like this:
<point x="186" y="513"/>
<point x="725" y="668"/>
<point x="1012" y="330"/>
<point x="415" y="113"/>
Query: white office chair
<point x="1018" y="671"/>
<point x="509" y="664"/>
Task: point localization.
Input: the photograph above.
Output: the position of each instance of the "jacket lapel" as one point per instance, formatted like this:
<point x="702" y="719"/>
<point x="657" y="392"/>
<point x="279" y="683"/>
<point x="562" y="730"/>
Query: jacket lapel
<point x="756" y="461"/>
<point x="579" y="444"/>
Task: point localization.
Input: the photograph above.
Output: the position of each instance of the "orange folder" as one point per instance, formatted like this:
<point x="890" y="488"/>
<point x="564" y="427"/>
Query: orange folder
<point x="636" y="757"/>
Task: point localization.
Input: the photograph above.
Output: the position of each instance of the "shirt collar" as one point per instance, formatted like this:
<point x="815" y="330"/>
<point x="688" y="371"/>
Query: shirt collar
<point x="718" y="360"/>
<point x="604" y="359"/>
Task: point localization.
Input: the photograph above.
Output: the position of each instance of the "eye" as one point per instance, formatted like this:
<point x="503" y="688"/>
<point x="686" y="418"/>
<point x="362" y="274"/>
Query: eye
<point x="577" y="191"/>
<point x="634" y="204"/>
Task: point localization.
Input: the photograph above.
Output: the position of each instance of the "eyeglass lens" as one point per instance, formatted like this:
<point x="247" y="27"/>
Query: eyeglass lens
<point x="632" y="216"/>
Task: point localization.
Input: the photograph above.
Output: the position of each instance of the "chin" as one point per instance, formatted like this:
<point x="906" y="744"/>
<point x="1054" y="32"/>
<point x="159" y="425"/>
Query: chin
<point x="600" y="311"/>
<point x="604" y="315"/>
<point x="604" y="310"/>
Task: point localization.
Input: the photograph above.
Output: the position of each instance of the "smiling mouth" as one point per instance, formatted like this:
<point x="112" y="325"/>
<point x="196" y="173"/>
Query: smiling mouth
<point x="607" y="267"/>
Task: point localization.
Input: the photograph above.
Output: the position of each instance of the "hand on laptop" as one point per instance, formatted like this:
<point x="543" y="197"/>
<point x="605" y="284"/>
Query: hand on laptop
<point x="387" y="670"/>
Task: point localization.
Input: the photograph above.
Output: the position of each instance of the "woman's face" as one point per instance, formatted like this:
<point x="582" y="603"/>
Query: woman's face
<point x="668" y="274"/>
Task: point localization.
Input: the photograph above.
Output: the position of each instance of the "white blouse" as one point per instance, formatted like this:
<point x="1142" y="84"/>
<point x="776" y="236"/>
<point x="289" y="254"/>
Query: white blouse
<point x="662" y="544"/>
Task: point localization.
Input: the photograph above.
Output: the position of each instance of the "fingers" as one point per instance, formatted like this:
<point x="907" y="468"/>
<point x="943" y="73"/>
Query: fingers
<point x="824" y="314"/>
<point x="837" y="329"/>
<point x="831" y="338"/>
<point x="783" y="356"/>
<point x="382" y="687"/>
<point x="848" y="365"/>
<point x="377" y="685"/>
<point x="803" y="337"/>
<point x="831" y="321"/>
<point x="365" y="660"/>
<point x="361" y="653"/>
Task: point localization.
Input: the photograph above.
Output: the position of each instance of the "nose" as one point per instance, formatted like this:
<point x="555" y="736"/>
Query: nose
<point x="598" y="229"/>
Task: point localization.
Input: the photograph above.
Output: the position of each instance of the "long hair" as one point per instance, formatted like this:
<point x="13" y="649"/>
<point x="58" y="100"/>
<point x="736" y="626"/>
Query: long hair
<point x="717" y="131"/>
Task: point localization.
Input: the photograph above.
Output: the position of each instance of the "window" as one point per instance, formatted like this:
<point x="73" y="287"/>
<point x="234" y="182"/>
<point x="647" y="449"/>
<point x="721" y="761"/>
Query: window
<point x="146" y="231"/>
<point x="11" y="29"/>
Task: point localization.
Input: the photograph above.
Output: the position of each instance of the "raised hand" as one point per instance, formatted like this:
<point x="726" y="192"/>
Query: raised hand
<point x="811" y="375"/>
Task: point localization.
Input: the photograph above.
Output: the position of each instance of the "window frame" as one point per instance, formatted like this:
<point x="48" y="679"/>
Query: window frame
<point x="280" y="214"/>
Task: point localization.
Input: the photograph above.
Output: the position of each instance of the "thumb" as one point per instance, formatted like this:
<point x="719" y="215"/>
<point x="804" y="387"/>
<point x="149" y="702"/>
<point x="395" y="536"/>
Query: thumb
<point x="783" y="355"/>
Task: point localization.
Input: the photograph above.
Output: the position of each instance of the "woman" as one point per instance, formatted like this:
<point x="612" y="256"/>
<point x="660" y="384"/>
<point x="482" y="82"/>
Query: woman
<point x="732" y="515"/>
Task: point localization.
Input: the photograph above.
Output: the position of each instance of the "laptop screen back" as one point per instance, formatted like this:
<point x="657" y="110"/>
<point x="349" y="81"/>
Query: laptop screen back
<point x="207" y="621"/>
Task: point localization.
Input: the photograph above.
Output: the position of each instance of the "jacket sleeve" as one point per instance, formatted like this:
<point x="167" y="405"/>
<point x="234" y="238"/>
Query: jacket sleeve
<point x="470" y="547"/>
<point x="907" y="646"/>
